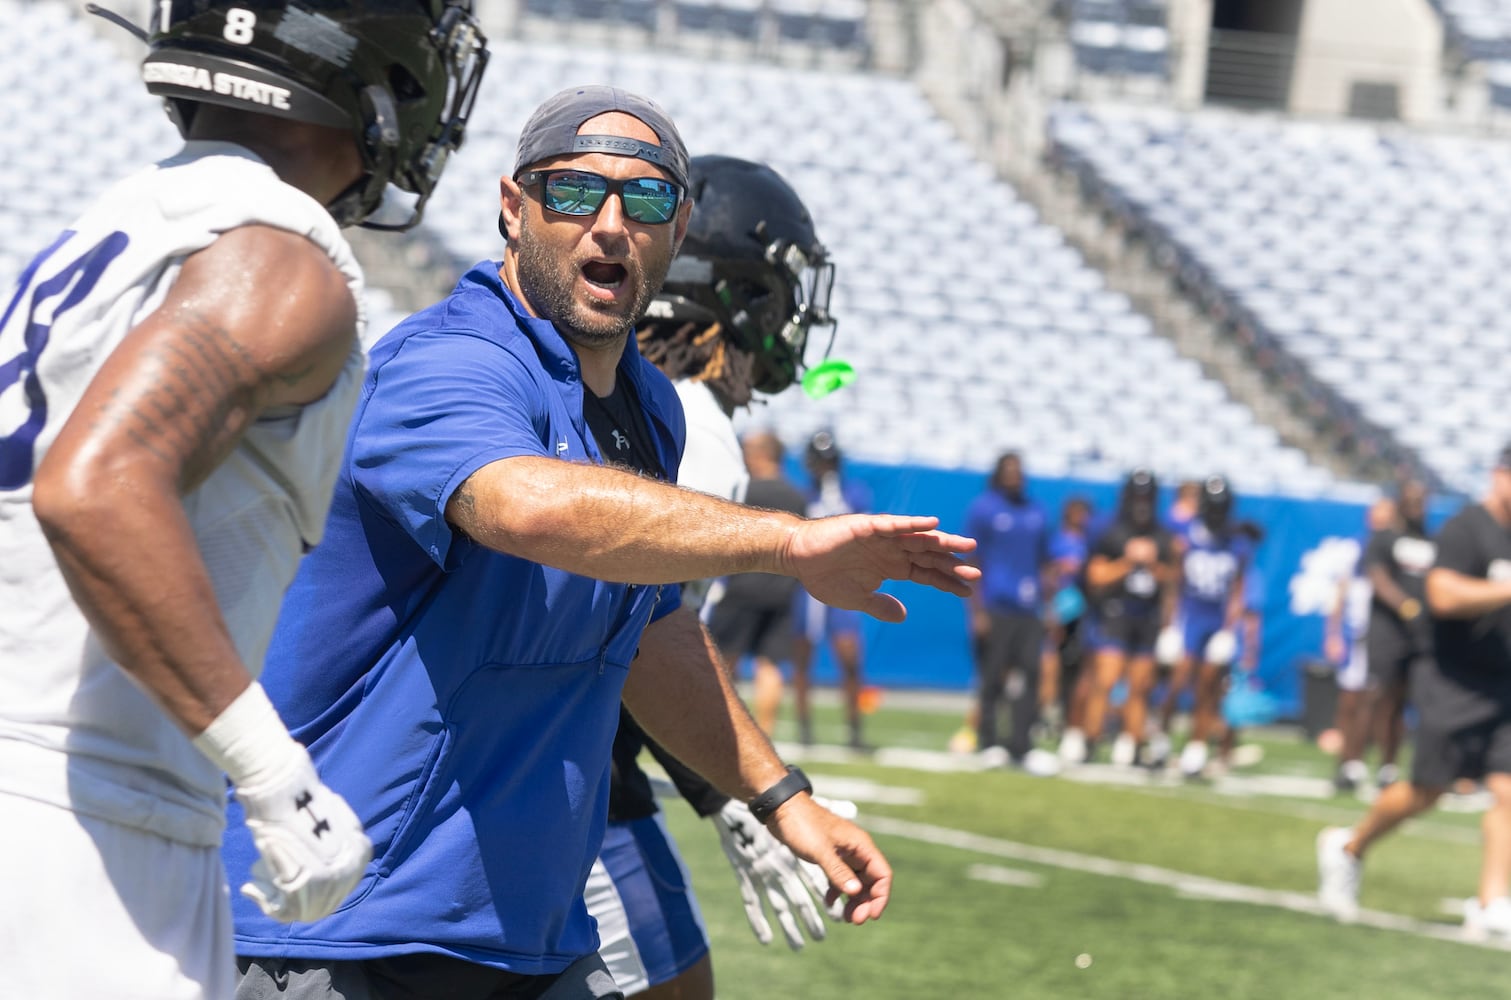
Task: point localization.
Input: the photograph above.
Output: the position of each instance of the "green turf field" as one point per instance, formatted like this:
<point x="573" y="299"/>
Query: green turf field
<point x="990" y="913"/>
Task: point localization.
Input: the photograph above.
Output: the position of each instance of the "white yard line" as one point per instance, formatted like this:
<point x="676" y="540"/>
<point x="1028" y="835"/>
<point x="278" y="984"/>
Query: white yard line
<point x="1273" y="794"/>
<point x="1194" y="886"/>
<point x="1000" y="875"/>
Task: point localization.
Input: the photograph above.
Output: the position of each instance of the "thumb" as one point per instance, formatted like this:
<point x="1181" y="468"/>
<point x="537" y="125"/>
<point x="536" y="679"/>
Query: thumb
<point x="840" y="875"/>
<point x="884" y="607"/>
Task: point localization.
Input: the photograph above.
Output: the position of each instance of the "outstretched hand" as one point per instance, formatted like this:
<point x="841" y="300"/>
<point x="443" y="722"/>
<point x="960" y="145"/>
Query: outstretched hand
<point x="843" y="560"/>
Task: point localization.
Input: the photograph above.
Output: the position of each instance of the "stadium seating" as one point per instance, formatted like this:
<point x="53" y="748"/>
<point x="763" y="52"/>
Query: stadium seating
<point x="1371" y="259"/>
<point x="1121" y="37"/>
<point x="972" y="324"/>
<point x="1481" y="31"/>
<point x="830" y="24"/>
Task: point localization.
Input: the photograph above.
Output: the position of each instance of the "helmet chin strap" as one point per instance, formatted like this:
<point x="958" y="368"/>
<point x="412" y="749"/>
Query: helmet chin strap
<point x="380" y="140"/>
<point x="117" y="20"/>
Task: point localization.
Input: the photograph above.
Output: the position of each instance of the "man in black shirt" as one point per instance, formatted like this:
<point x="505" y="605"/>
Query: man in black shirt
<point x="1464" y="697"/>
<point x="1130" y="578"/>
<point x="1396" y="561"/>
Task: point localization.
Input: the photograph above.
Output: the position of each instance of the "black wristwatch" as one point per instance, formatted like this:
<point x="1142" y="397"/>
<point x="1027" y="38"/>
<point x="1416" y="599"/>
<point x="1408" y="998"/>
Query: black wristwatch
<point x="764" y="805"/>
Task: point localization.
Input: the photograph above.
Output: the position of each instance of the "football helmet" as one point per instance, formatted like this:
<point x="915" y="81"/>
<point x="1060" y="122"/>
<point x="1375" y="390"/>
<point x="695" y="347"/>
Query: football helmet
<point x="752" y="263"/>
<point x="1215" y="503"/>
<point x="823" y="449"/>
<point x="400" y="75"/>
<point x="1139" y="496"/>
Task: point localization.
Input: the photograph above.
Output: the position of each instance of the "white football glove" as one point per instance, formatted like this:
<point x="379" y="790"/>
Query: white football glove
<point x="312" y="845"/>
<point x="1170" y="646"/>
<point x="764" y="864"/>
<point x="1221" y="648"/>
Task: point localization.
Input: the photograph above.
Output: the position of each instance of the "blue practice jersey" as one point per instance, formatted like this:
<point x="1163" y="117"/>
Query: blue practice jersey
<point x="1012" y="546"/>
<point x="463" y="701"/>
<point x="1211" y="566"/>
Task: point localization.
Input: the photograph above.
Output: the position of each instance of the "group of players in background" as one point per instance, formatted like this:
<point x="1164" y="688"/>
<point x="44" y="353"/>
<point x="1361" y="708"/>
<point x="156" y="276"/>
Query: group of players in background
<point x="1147" y="609"/>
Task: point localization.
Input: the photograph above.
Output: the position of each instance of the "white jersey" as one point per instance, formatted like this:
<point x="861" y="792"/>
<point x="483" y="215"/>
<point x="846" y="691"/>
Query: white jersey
<point x="712" y="462"/>
<point x="74" y="730"/>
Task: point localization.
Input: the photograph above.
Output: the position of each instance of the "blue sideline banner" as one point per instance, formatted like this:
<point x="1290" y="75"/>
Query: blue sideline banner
<point x="1308" y="544"/>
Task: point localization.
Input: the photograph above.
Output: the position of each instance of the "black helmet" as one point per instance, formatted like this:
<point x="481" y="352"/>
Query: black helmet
<point x="401" y="75"/>
<point x="822" y="448"/>
<point x="1139" y="495"/>
<point x="1216" y="501"/>
<point x="752" y="263"/>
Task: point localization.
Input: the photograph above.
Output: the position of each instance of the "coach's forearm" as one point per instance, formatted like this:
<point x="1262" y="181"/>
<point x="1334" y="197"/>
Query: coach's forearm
<point x="1454" y="595"/>
<point x="679" y="693"/>
<point x="614" y="525"/>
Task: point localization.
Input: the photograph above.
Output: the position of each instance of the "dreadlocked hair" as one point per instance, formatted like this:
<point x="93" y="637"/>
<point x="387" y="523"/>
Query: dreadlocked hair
<point x="686" y="352"/>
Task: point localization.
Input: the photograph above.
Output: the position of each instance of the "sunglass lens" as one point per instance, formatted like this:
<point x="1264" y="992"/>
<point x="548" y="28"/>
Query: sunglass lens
<point x="649" y="200"/>
<point x="573" y="193"/>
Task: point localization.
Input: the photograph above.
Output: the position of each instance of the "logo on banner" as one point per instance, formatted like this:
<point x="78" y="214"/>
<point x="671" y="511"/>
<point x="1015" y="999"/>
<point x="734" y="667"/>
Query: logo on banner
<point x="1314" y="587"/>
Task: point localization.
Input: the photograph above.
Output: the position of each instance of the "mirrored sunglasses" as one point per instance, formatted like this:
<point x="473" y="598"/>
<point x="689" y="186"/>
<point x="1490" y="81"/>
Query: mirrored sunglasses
<point x="647" y="200"/>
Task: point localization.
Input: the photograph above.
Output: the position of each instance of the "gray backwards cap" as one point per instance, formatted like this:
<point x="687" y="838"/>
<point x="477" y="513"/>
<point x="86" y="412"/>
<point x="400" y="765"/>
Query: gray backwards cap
<point x="552" y="131"/>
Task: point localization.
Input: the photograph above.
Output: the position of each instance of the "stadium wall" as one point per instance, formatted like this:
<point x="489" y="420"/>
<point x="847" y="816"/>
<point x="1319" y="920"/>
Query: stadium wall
<point x="1348" y="42"/>
<point x="1308" y="543"/>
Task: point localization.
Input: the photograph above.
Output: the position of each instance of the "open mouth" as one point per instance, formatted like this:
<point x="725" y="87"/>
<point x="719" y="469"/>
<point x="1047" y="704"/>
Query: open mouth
<point x="604" y="274"/>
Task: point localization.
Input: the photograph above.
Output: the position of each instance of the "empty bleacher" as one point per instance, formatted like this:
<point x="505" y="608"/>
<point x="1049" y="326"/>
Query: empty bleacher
<point x="1373" y="257"/>
<point x="972" y="324"/>
<point x="1121" y="37"/>
<point x="1480" y="30"/>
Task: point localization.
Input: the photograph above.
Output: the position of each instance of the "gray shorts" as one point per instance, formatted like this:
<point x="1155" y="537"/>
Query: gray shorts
<point x="420" y="976"/>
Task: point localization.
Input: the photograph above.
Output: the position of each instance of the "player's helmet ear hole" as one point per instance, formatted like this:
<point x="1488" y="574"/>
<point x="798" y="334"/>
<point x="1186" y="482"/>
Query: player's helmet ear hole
<point x="404" y="85"/>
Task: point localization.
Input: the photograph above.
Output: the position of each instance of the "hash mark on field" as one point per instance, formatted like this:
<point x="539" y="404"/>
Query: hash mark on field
<point x="1194" y="886"/>
<point x="1000" y="875"/>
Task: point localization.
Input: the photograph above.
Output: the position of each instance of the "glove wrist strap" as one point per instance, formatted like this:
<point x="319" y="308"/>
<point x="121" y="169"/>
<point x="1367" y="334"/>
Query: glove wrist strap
<point x="248" y="741"/>
<point x="765" y="805"/>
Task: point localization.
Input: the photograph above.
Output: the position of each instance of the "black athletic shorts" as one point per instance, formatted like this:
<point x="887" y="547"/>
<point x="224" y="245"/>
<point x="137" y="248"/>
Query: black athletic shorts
<point x="1389" y="656"/>
<point x="747" y="631"/>
<point x="1442" y="756"/>
<point x="418" y="976"/>
<point x="1134" y="636"/>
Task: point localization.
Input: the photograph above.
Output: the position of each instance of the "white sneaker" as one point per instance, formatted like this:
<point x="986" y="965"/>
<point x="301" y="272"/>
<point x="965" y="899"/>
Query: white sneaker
<point x="1494" y="918"/>
<point x="1040" y="763"/>
<point x="1124" y="750"/>
<point x="1339" y="873"/>
<point x="1193" y="758"/>
<point x="1387" y="775"/>
<point x="1158" y="750"/>
<point x="994" y="757"/>
<point x="1474" y="920"/>
<point x="1073" y="746"/>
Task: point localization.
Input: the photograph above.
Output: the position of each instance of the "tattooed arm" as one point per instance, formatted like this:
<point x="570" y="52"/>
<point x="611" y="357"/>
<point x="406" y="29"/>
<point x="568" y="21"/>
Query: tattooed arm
<point x="261" y="318"/>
